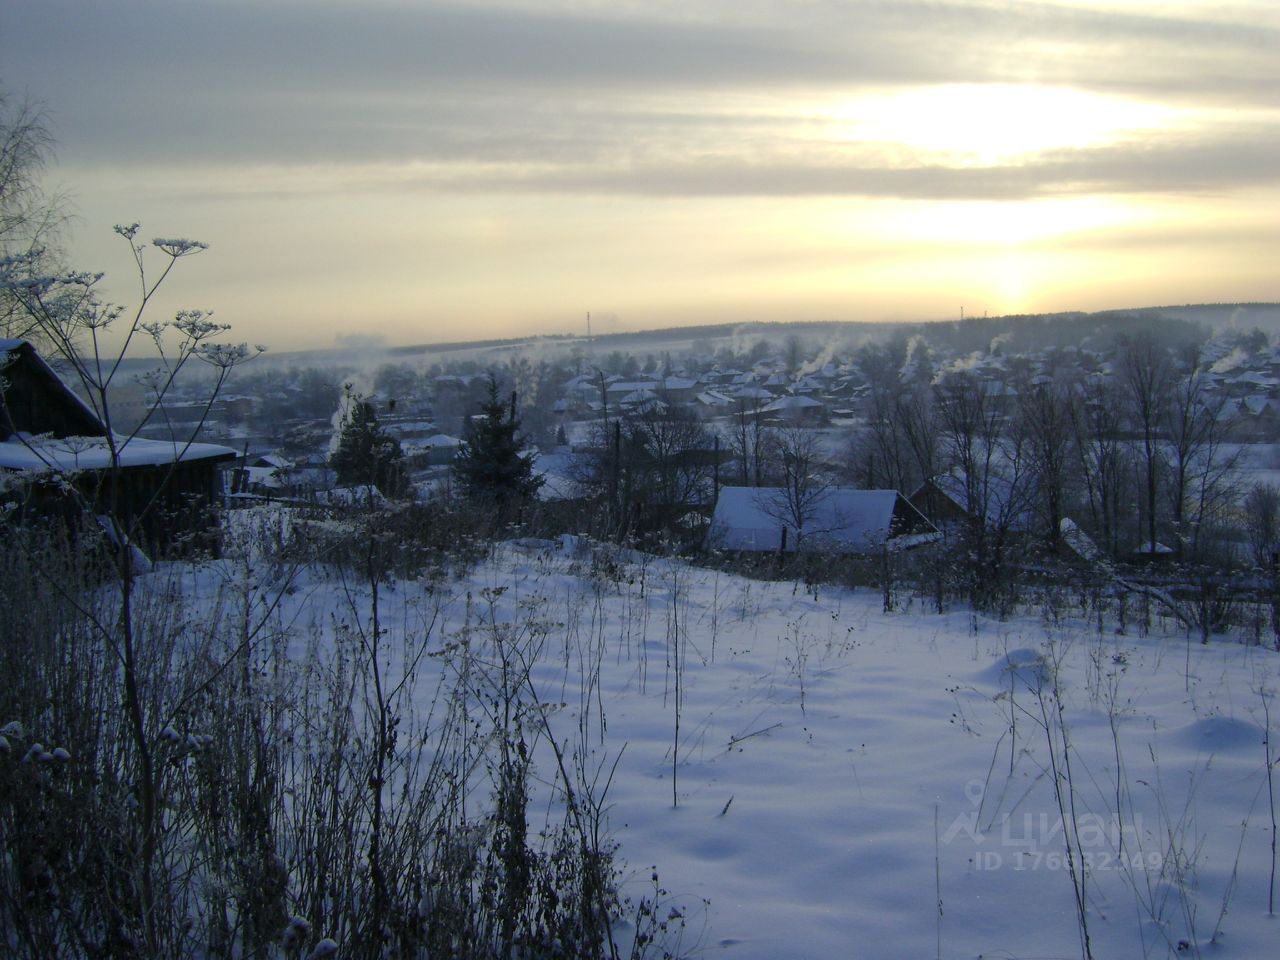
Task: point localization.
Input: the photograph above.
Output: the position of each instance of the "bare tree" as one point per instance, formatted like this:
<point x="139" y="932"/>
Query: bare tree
<point x="1261" y="509"/>
<point x="991" y="467"/>
<point x="650" y="467"/>
<point x="748" y="440"/>
<point x="1262" y="523"/>
<point x="803" y="480"/>
<point x="1097" y="417"/>
<point x="1200" y="464"/>
<point x="31" y="219"/>
<point x="898" y="449"/>
<point x="1044" y="421"/>
<point x="1147" y="376"/>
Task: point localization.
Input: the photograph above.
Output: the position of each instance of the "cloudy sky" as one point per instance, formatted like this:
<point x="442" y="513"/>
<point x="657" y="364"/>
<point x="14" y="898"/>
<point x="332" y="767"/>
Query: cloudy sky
<point x="426" y="171"/>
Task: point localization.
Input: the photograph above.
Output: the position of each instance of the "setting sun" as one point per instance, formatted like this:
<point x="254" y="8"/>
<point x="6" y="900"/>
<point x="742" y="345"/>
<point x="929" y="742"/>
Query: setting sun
<point x="447" y="171"/>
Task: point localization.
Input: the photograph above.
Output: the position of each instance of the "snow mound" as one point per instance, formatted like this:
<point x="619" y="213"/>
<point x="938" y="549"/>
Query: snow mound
<point x="1025" y="666"/>
<point x="1220" y="735"/>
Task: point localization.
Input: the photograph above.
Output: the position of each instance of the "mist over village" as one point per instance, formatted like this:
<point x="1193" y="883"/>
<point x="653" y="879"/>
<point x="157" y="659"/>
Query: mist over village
<point x="567" y="479"/>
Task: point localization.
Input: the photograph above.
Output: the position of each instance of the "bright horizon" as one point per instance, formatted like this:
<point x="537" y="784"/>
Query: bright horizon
<point x="430" y="172"/>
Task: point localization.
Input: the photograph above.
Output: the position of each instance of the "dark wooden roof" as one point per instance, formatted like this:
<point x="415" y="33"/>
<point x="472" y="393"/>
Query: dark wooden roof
<point x="34" y="400"/>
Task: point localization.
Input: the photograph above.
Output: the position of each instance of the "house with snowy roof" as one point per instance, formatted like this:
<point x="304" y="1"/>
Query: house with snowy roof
<point x="999" y="502"/>
<point x="752" y="393"/>
<point x="1260" y="417"/>
<point x="839" y="520"/>
<point x="797" y="409"/>
<point x="620" y="389"/>
<point x="439" y="449"/>
<point x="56" y="458"/>
<point x="675" y="389"/>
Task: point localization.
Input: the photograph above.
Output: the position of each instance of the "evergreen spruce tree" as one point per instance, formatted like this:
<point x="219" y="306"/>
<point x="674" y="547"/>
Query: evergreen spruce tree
<point x="491" y="466"/>
<point x="367" y="454"/>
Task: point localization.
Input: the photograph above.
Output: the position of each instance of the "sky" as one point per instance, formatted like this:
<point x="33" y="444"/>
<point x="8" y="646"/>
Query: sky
<point x="409" y="172"/>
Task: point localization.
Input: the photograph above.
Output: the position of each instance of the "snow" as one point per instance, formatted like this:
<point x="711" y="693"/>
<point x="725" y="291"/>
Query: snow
<point x="842" y="771"/>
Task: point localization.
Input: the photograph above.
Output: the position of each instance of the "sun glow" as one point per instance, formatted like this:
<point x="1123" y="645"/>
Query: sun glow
<point x="983" y="124"/>
<point x="1008" y="223"/>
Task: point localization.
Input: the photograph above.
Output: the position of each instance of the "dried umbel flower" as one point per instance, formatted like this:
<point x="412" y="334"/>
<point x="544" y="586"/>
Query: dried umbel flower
<point x="178" y="247"/>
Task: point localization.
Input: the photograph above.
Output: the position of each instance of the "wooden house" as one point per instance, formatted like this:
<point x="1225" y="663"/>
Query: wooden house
<point x="58" y="460"/>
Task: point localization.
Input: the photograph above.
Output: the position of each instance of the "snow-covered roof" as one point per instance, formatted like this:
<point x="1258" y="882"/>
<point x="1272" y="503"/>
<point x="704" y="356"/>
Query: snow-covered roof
<point x="678" y="383"/>
<point x="639" y="396"/>
<point x="790" y="403"/>
<point x="1258" y="406"/>
<point x="71" y="454"/>
<point x="408" y="426"/>
<point x="559" y="476"/>
<point x="1079" y="541"/>
<point x="1006" y="502"/>
<point x="711" y="398"/>
<point x="840" y="520"/>
<point x="643" y="401"/>
<point x="440" y="440"/>
<point x="632" y="386"/>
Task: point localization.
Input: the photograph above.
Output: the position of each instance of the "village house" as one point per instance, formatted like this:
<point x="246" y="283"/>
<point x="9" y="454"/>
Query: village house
<point x="839" y="520"/>
<point x="59" y="461"/>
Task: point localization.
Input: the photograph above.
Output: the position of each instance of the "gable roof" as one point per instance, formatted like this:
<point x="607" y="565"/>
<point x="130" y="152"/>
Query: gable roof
<point x="842" y="520"/>
<point x="1007" y="503"/>
<point x="792" y="404"/>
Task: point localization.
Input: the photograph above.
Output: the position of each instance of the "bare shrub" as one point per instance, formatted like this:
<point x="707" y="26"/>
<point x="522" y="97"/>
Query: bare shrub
<point x="314" y="791"/>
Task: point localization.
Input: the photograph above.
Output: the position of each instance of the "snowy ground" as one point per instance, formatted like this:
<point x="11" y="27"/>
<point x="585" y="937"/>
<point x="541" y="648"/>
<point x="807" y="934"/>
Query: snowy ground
<point x="854" y="783"/>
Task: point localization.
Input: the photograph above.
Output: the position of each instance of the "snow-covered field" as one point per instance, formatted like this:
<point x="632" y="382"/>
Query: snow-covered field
<point x="848" y="782"/>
